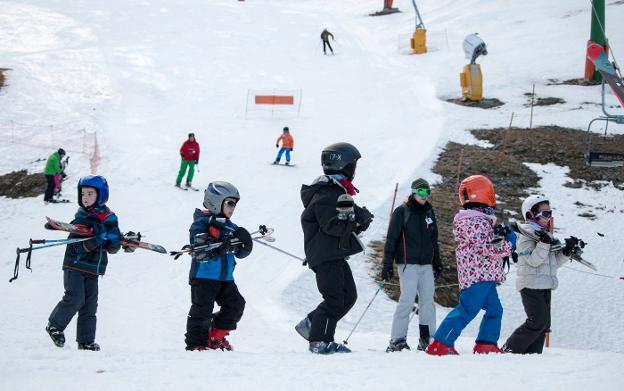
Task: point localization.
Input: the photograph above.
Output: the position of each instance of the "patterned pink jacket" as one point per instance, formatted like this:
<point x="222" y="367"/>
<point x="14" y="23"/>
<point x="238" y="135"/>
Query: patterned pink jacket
<point x="477" y="258"/>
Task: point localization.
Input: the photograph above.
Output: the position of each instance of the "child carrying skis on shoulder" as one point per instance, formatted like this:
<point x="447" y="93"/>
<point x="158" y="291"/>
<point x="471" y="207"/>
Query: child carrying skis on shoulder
<point x="539" y="257"/>
<point x="211" y="275"/>
<point x="479" y="269"/>
<point x="83" y="263"/>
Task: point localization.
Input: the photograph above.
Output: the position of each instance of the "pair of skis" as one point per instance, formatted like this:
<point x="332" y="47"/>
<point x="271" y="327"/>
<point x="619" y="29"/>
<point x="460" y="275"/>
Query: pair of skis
<point x="575" y="255"/>
<point x="133" y="240"/>
<point x="262" y="234"/>
<point x="130" y="239"/>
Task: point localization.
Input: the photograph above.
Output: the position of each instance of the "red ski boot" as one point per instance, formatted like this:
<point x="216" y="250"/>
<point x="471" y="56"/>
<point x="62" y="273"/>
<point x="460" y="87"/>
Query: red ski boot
<point x="485" y="348"/>
<point x="437" y="348"/>
<point x="216" y="339"/>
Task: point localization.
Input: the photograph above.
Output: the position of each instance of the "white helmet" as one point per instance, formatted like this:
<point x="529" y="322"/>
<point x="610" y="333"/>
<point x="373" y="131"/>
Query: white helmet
<point x="216" y="193"/>
<point x="530" y="202"/>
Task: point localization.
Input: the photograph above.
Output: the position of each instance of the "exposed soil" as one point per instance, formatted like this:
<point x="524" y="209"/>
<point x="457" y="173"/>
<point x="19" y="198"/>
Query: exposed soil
<point x="504" y="166"/>
<point x="2" y="77"/>
<point x="485" y="103"/>
<point x="20" y="184"/>
<point x="537" y="101"/>
<point x="573" y="82"/>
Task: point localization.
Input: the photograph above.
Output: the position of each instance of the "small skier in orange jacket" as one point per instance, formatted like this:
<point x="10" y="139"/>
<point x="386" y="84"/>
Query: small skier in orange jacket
<point x="288" y="145"/>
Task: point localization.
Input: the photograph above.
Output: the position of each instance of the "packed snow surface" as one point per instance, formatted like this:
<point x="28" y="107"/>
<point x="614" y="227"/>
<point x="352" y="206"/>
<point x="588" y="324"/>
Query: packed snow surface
<point x="142" y="74"/>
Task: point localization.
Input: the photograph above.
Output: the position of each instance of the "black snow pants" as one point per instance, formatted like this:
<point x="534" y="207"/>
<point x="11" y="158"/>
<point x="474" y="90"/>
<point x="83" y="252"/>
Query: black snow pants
<point x="324" y="48"/>
<point x="49" y="192"/>
<point x="81" y="296"/>
<point x="530" y="336"/>
<point x="335" y="283"/>
<point x="200" y="319"/>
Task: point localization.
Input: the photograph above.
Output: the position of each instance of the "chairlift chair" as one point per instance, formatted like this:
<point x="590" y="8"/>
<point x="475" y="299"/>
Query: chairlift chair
<point x="610" y="76"/>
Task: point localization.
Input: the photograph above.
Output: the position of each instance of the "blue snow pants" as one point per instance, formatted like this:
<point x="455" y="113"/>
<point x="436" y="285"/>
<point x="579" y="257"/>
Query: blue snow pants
<point x="479" y="296"/>
<point x="281" y="152"/>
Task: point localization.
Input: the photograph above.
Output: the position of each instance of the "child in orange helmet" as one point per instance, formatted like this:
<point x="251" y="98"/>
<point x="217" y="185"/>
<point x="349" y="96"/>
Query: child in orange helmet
<point x="479" y="269"/>
<point x="288" y="145"/>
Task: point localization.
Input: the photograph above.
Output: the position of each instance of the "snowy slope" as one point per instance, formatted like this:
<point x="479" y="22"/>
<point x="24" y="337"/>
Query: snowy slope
<point x="142" y="74"/>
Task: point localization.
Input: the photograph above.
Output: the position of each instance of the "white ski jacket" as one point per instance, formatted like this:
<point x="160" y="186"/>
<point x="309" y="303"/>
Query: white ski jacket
<point x="537" y="264"/>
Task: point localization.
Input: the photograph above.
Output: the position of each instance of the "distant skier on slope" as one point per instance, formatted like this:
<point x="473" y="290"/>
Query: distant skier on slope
<point x="325" y="38"/>
<point x="52" y="168"/>
<point x="190" y="157"/>
<point x="330" y="222"/>
<point x="479" y="269"/>
<point x="288" y="145"/>
<point x="537" y="268"/>
<point x="412" y="242"/>
<point x="212" y="272"/>
<point x="83" y="263"/>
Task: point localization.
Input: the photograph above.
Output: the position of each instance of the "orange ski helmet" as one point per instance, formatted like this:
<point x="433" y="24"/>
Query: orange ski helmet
<point x="479" y="189"/>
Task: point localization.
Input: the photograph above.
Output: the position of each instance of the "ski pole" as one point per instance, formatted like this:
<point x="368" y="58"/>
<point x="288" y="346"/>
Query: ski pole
<point x="346" y="341"/>
<point x="30" y="249"/>
<point x="259" y="240"/>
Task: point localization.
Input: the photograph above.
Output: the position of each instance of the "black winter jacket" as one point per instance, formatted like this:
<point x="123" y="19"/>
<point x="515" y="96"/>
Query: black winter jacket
<point x="326" y="238"/>
<point x="419" y="236"/>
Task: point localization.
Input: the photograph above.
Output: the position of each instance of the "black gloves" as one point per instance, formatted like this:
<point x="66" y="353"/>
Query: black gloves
<point x="130" y="237"/>
<point x="544" y="237"/>
<point x="571" y="244"/>
<point x="196" y="161"/>
<point x="364" y="218"/>
<point x="276" y="145"/>
<point x="501" y="230"/>
<point x="387" y="272"/>
<point x="226" y="244"/>
<point x="246" y="242"/>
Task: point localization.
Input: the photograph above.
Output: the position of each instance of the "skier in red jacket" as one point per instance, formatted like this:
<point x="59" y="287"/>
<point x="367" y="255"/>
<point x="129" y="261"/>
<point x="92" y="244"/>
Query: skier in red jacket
<point x="190" y="157"/>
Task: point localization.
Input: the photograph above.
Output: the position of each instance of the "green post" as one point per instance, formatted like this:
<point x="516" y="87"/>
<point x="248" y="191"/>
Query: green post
<point x="598" y="28"/>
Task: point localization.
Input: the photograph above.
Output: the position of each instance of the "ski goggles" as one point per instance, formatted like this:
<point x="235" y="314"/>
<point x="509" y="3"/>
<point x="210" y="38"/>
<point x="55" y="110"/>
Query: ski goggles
<point x="231" y="203"/>
<point x="422" y="192"/>
<point x="545" y="214"/>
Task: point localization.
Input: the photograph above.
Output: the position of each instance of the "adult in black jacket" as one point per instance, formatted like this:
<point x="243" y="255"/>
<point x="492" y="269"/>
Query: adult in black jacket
<point x="412" y="242"/>
<point x="330" y="223"/>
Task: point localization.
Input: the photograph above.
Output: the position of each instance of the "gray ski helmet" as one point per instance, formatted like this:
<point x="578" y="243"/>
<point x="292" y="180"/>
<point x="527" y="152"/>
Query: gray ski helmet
<point x="216" y="193"/>
<point x="340" y="158"/>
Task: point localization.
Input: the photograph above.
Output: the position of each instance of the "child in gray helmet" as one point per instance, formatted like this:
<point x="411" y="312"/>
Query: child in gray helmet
<point x="212" y="272"/>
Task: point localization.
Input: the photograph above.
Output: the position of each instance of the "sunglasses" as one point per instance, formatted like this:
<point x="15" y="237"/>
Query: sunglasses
<point x="231" y="203"/>
<point x="422" y="192"/>
<point x="545" y="214"/>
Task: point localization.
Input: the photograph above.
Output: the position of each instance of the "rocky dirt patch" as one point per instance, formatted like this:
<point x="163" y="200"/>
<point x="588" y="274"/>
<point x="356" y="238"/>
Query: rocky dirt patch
<point x="20" y="184"/>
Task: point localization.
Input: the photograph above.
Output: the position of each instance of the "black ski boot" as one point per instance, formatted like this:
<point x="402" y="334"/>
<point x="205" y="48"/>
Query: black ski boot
<point x="423" y="342"/>
<point x="57" y="335"/>
<point x="396" y="345"/>
<point x="303" y="328"/>
<point x="89" y="346"/>
<point x="328" y="348"/>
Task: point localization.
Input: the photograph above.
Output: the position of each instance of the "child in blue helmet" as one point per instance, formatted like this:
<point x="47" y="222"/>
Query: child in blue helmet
<point x="212" y="272"/>
<point x="84" y="262"/>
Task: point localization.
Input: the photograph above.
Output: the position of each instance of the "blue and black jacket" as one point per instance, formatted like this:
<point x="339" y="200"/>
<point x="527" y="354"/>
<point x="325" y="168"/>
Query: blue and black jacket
<point x="218" y="267"/>
<point x="91" y="256"/>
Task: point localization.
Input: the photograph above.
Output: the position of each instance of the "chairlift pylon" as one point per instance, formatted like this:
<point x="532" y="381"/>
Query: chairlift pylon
<point x="610" y="76"/>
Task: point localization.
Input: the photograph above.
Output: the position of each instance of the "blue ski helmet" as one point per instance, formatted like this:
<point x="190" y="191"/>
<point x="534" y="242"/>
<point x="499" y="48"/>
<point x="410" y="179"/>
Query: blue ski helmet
<point x="99" y="184"/>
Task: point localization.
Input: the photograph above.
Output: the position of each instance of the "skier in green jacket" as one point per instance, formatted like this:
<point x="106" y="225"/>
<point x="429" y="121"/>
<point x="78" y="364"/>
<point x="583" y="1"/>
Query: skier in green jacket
<point x="52" y="167"/>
